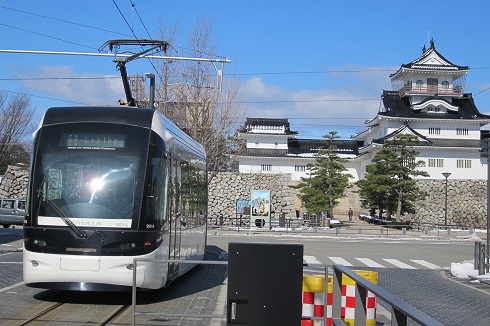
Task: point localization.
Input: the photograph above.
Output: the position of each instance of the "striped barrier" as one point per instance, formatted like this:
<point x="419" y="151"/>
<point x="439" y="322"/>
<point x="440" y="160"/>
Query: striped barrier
<point x="314" y="299"/>
<point x="348" y="304"/>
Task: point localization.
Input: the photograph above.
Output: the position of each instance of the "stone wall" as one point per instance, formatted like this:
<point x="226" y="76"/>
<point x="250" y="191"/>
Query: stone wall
<point x="466" y="199"/>
<point x="14" y="182"/>
<point x="466" y="202"/>
<point x="226" y="188"/>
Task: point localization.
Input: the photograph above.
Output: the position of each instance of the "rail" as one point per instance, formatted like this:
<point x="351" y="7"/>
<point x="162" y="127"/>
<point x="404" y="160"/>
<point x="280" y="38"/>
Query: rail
<point x="400" y="310"/>
<point x="455" y="91"/>
<point x="371" y="227"/>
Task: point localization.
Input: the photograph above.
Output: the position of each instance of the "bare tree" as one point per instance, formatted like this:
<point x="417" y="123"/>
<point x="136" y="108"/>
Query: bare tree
<point x="15" y="124"/>
<point x="189" y="96"/>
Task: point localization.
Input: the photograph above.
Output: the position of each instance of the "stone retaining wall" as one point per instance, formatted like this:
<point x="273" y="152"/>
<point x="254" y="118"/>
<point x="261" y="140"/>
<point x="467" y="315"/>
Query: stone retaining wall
<point x="466" y="202"/>
<point x="14" y="182"/>
<point x="226" y="188"/>
<point x="466" y="199"/>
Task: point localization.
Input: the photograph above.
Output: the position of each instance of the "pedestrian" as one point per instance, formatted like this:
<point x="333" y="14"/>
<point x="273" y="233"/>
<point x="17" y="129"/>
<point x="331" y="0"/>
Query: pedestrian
<point x="350" y="214"/>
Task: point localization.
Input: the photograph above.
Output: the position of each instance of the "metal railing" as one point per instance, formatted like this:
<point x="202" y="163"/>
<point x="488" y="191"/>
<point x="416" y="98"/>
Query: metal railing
<point x="400" y="310"/>
<point x="312" y="226"/>
<point x="457" y="90"/>
<point x="374" y="228"/>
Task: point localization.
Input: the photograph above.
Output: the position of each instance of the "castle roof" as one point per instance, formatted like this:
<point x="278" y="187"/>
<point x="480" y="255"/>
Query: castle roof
<point x="431" y="60"/>
<point x="398" y="106"/>
<point x="267" y="126"/>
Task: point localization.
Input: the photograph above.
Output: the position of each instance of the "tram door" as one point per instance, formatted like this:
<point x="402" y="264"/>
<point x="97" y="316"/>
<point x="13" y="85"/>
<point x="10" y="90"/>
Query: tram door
<point x="175" y="217"/>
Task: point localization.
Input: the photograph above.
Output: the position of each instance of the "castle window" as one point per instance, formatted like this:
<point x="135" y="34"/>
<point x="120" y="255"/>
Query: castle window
<point x="462" y="131"/>
<point x="419" y="83"/>
<point x="432" y="84"/>
<point x="434" y="131"/>
<point x="445" y="84"/>
<point x="265" y="167"/>
<point x="436" y="163"/>
<point x="463" y="164"/>
<point x="300" y="168"/>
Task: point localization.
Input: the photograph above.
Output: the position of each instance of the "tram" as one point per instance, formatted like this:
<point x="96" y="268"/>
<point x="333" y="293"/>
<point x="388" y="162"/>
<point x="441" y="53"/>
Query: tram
<point x="107" y="185"/>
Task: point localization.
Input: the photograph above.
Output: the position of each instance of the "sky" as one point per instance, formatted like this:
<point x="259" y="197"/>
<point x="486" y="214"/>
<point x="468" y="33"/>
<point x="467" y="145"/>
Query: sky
<point x="321" y="64"/>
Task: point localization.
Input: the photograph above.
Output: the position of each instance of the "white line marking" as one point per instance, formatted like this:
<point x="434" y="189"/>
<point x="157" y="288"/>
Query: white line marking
<point x="10" y="287"/>
<point x="426" y="264"/>
<point x="340" y="261"/>
<point x="398" y="263"/>
<point x="311" y="260"/>
<point x="369" y="262"/>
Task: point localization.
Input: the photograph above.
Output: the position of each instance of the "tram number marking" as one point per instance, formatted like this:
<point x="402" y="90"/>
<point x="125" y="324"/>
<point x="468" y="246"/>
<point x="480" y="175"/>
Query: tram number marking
<point x="150" y="226"/>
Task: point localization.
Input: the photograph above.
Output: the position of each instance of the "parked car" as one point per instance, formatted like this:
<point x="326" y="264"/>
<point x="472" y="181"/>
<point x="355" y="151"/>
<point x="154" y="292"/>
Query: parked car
<point x="12" y="211"/>
<point x="333" y="222"/>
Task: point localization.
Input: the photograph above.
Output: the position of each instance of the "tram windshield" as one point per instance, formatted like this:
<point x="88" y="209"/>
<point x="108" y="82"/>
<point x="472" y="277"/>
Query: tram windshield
<point x="89" y="175"/>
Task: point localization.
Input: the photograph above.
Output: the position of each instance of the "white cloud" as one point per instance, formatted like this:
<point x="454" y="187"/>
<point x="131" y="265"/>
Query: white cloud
<point x="343" y="105"/>
<point x="103" y="90"/>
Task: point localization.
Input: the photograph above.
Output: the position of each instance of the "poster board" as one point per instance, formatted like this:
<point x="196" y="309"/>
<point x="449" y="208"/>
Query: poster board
<point x="260" y="208"/>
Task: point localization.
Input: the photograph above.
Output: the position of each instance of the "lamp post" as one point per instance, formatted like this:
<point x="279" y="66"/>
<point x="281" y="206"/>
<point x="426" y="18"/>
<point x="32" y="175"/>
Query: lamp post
<point x="446" y="175"/>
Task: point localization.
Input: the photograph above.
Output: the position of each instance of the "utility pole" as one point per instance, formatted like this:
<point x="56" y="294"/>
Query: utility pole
<point x="484" y="153"/>
<point x="446" y="175"/>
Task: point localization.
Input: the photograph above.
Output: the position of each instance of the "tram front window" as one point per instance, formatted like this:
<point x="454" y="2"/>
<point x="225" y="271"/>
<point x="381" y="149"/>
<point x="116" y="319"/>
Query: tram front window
<point x="89" y="177"/>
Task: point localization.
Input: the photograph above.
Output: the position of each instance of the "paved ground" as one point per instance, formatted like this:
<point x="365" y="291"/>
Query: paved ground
<point x="449" y="301"/>
<point x="453" y="302"/>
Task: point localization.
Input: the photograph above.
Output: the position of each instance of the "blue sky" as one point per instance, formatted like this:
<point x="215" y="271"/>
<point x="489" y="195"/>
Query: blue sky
<point x="322" y="64"/>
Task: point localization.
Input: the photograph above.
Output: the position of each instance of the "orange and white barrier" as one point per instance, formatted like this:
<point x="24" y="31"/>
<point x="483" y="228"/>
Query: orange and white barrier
<point x="348" y="304"/>
<point x="315" y="299"/>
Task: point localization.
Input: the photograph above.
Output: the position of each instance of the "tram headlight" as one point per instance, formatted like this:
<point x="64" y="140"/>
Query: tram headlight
<point x="34" y="263"/>
<point x="130" y="267"/>
<point x="40" y="243"/>
<point x="127" y="245"/>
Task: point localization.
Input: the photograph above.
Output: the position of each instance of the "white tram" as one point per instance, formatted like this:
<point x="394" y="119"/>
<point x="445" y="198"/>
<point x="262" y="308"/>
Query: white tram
<point x="107" y="185"/>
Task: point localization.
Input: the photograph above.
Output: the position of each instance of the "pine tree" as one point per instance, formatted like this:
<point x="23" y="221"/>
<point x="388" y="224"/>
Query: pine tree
<point x="327" y="181"/>
<point x="388" y="184"/>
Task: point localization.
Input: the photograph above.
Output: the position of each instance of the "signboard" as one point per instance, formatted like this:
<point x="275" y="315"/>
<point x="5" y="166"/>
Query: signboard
<point x="260" y="208"/>
<point x="243" y="207"/>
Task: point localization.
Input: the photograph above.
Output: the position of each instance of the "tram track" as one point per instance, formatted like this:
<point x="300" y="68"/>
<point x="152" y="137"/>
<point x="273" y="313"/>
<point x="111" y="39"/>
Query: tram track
<point x="38" y="315"/>
<point x="74" y="311"/>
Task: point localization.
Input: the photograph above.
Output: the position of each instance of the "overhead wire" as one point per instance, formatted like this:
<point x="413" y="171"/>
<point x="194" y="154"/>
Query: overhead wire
<point x="134" y="34"/>
<point x="63" y="21"/>
<point x="144" y="26"/>
<point x="141" y="20"/>
<point x="43" y="97"/>
<point x="235" y="74"/>
<point x="47" y="36"/>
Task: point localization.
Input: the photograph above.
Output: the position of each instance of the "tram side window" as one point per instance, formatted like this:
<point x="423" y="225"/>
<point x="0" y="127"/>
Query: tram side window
<point x="193" y="195"/>
<point x="156" y="190"/>
<point x="188" y="187"/>
<point x="174" y="189"/>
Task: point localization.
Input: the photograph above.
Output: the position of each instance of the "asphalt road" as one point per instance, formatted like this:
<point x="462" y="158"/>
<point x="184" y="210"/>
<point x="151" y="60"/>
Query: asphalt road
<point x="410" y="267"/>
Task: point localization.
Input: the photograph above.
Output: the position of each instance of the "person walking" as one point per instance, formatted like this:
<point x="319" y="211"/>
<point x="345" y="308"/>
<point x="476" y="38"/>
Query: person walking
<point x="350" y="214"/>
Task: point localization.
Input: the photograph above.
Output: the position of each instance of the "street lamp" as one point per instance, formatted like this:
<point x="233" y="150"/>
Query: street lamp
<point x="446" y="175"/>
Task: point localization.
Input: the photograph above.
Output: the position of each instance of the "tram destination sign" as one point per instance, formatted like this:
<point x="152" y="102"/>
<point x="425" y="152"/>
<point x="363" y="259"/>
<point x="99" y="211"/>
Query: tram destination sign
<point x="92" y="141"/>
